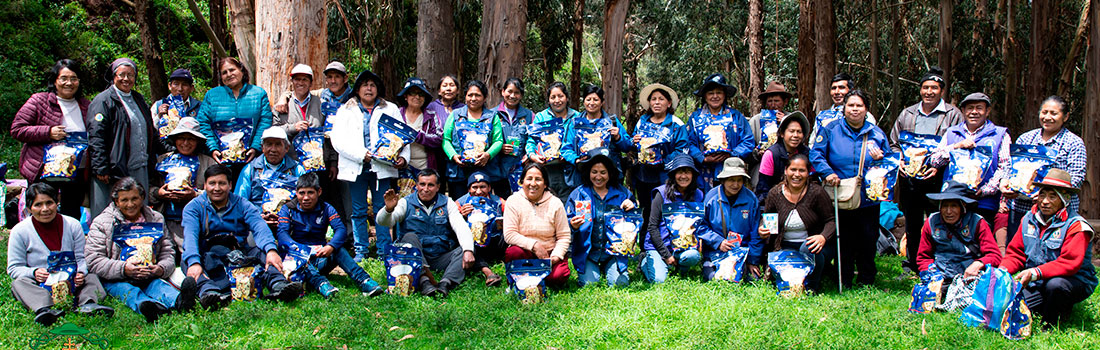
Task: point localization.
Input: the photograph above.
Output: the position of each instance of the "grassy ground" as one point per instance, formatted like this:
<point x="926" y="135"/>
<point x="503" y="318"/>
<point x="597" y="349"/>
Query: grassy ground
<point x="683" y="313"/>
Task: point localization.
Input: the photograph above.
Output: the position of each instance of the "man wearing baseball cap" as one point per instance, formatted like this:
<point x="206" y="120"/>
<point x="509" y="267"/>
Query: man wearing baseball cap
<point x="274" y="169"/>
<point x="180" y="87"/>
<point x="478" y="189"/>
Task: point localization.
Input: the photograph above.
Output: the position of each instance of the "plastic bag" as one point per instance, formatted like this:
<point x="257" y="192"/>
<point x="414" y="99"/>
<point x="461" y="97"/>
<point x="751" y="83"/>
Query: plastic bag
<point x="682" y="219"/>
<point x="310" y="150"/>
<point x="959" y="294"/>
<point x="62" y="281"/>
<point x="998" y="304"/>
<point x="234" y="136"/>
<point x="1016" y="323"/>
<point x="515" y="136"/>
<point x="881" y="177"/>
<point x="138" y="242"/>
<point x="968" y="166"/>
<point x="61" y="158"/>
<point x="591" y="135"/>
<point x="176" y="110"/>
<point x="180" y="171"/>
<point x="515" y="176"/>
<point x="482" y="219"/>
<point x="915" y="149"/>
<point x="473" y="139"/>
<point x="791" y="269"/>
<point x="393" y="135"/>
<point x="714" y="131"/>
<point x="1030" y="163"/>
<point x="769" y="128"/>
<point x="927" y="294"/>
<point x="403" y="266"/>
<point x="548" y="138"/>
<point x="623" y="229"/>
<point x="296" y="261"/>
<point x="730" y="265"/>
<point x="527" y="277"/>
<point x="276" y="193"/>
<point x="406" y="181"/>
<point x="652" y="137"/>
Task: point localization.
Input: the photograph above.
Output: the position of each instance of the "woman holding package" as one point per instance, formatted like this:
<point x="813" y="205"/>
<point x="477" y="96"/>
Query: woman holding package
<point x="577" y="143"/>
<point x="536" y="225"/>
<point x="792" y="142"/>
<point x="658" y="124"/>
<point x="956" y="240"/>
<point x="122" y="138"/>
<point x="514" y="120"/>
<point x="235" y="106"/>
<point x="412" y="103"/>
<point x="806" y="219"/>
<point x="182" y="174"/>
<point x="731" y="214"/>
<point x="34" y="242"/>
<point x="137" y="280"/>
<point x="841" y="155"/>
<point x="682" y="186"/>
<point x="601" y="191"/>
<point x="562" y="173"/>
<point x="49" y="117"/>
<point x="471" y="138"/>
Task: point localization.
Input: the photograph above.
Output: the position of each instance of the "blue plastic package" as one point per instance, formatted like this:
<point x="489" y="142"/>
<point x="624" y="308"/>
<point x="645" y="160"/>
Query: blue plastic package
<point x="915" y="149"/>
<point x="234" y="139"/>
<point x="548" y="136"/>
<point x="482" y="219"/>
<point x="652" y="138"/>
<point x="393" y="136"/>
<point x="527" y="277"/>
<point x="790" y="269"/>
<point x="180" y="171"/>
<point x="623" y="230"/>
<point x="138" y="242"/>
<point x="61" y="284"/>
<point x="472" y="139"/>
<point x="403" y="266"/>
<point x="927" y="294"/>
<point x="309" y="149"/>
<point x="730" y="265"/>
<point x="969" y="166"/>
<point x="881" y="177"/>
<point x="1030" y="163"/>
<point x="682" y="219"/>
<point x="61" y="158"/>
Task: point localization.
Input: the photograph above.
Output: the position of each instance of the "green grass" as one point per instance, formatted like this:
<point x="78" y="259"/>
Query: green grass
<point x="682" y="313"/>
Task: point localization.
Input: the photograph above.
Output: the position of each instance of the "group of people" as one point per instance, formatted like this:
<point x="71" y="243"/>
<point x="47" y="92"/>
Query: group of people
<point x="547" y="178"/>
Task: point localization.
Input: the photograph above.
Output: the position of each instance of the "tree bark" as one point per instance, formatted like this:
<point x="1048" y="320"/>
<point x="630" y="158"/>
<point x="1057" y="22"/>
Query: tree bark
<point x="755" y="34"/>
<point x="825" y="48"/>
<point x="578" y="44"/>
<point x="501" y="47"/>
<point x="895" y="66"/>
<point x="946" y="45"/>
<point x="435" y="31"/>
<point x="872" y="86"/>
<point x="1090" y="198"/>
<point x="806" y="68"/>
<point x="1041" y="67"/>
<point x="217" y="29"/>
<point x="242" y="17"/>
<point x="614" y="32"/>
<point x="383" y="62"/>
<point x="150" y="49"/>
<point x="1009" y="51"/>
<point x="1066" y="78"/>
<point x="288" y="33"/>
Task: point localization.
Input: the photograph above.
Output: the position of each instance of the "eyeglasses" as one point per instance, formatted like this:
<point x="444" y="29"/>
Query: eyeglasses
<point x="68" y="79"/>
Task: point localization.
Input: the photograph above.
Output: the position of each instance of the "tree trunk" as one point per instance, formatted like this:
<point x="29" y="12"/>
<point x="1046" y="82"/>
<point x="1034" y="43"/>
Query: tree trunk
<point x="1066" y="78"/>
<point x="614" y="32"/>
<point x="242" y="18"/>
<point x="288" y="33"/>
<point x="1014" y="118"/>
<point x="578" y="44"/>
<point x="1090" y="198"/>
<point x="946" y="45"/>
<point x="435" y="31"/>
<point x="895" y="66"/>
<point x="217" y="27"/>
<point x="501" y="48"/>
<point x="1041" y="68"/>
<point x="383" y="62"/>
<point x="806" y="67"/>
<point x="825" y="28"/>
<point x="150" y="49"/>
<point x="872" y="86"/>
<point x="755" y="33"/>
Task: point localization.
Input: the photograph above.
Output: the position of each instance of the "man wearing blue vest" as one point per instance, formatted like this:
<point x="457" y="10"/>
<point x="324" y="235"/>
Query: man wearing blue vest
<point x="432" y="223"/>
<point x="275" y="165"/>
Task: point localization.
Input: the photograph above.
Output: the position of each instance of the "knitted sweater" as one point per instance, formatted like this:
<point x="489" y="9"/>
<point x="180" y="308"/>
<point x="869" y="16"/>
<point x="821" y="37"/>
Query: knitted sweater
<point x="27" y="252"/>
<point x="527" y="223"/>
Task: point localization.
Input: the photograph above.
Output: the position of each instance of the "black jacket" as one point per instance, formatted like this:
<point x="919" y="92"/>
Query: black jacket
<point x="109" y="134"/>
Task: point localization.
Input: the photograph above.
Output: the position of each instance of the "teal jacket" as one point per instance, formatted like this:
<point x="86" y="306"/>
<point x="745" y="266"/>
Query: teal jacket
<point x="219" y="105"/>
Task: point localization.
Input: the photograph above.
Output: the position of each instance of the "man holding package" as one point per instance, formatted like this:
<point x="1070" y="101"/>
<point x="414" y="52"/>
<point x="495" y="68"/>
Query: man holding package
<point x="268" y="181"/>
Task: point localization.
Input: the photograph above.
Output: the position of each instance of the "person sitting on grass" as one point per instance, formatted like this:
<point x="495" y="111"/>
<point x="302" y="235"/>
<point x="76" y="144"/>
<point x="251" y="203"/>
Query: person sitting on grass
<point x="478" y="186"/>
<point x="1052" y="255"/>
<point x="29" y="247"/>
<point x="275" y="164"/>
<point x="142" y="287"/>
<point x="218" y="224"/>
<point x="601" y="191"/>
<point x="956" y="239"/>
<point x="731" y="220"/>
<point x="432" y="223"/>
<point x="169" y="202"/>
<point x="305" y="220"/>
<point x="682" y="186"/>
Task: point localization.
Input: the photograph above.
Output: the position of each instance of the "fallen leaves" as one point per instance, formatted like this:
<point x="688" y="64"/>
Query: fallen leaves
<point x="407" y="336"/>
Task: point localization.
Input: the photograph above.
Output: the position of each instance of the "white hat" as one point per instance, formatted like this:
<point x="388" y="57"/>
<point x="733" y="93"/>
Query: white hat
<point x="337" y="66"/>
<point x="302" y="69"/>
<point x="187" y="125"/>
<point x="275" y="132"/>
<point x="643" y="97"/>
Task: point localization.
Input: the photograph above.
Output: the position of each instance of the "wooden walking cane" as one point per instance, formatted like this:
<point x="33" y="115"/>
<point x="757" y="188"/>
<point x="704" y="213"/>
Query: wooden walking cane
<point x="836" y="223"/>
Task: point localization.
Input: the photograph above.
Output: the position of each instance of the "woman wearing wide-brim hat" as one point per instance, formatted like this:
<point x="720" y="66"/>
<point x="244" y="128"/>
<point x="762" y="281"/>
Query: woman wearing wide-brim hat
<point x="714" y="93"/>
<point x="660" y="103"/>
<point x="1051" y="255"/>
<point x="601" y="191"/>
<point x="955" y="239"/>
<point x="189" y="143"/>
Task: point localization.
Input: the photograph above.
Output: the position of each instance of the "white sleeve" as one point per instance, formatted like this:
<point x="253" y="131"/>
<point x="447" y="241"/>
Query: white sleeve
<point x="459" y="225"/>
<point x="386" y="218"/>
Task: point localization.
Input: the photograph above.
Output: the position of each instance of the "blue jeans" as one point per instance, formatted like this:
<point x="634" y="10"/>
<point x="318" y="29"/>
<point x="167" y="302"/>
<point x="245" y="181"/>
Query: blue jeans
<point x="360" y="228"/>
<point x="320" y="267"/>
<point x="609" y="268"/>
<point x="381" y="233"/>
<point x="656" y="270"/>
<point x="156" y="290"/>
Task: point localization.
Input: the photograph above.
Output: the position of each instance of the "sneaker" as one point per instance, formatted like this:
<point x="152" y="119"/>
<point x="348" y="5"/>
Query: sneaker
<point x="188" y="289"/>
<point x="327" y="290"/>
<point x="213" y="300"/>
<point x="47" y="316"/>
<point x="152" y="310"/>
<point x="96" y="309"/>
<point x="370" y="288"/>
<point x="358" y="258"/>
<point x="286" y="291"/>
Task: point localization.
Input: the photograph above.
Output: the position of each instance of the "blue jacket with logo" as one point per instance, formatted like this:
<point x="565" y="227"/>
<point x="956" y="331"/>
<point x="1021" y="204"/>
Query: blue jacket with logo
<point x="590" y="240"/>
<point x="1042" y="244"/>
<point x="239" y="219"/>
<point x="309" y="227"/>
<point x="512" y="127"/>
<point x="570" y="148"/>
<point x="742" y="217"/>
<point x="837" y="151"/>
<point x="679" y="144"/>
<point x="248" y="185"/>
<point x="430" y="224"/>
<point x="741" y="141"/>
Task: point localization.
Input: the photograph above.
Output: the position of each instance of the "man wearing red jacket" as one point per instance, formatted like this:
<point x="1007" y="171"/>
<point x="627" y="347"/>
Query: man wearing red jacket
<point x="1052" y="258"/>
<point x="956" y="239"/>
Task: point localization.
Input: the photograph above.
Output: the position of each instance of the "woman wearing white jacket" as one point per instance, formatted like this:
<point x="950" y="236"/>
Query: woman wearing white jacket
<point x="355" y="145"/>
